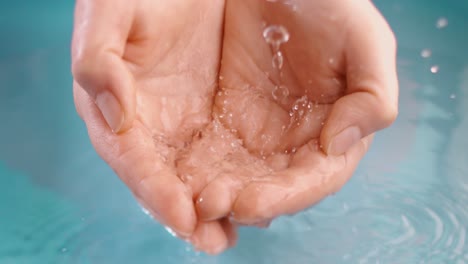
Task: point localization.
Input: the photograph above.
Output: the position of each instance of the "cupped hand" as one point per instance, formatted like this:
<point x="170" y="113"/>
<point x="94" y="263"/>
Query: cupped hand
<point x="145" y="74"/>
<point x="284" y="131"/>
<point x="303" y="87"/>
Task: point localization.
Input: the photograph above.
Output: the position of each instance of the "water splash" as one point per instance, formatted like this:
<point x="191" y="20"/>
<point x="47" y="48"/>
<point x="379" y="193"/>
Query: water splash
<point x="299" y="110"/>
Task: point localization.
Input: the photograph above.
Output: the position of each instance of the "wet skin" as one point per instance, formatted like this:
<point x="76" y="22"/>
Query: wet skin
<point x="183" y="109"/>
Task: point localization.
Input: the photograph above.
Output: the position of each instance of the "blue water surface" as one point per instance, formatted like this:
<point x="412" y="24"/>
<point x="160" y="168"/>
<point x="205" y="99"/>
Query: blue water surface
<point x="407" y="203"/>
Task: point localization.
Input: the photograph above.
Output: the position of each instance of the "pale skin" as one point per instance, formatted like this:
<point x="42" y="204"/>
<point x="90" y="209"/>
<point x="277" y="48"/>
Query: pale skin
<point x="177" y="99"/>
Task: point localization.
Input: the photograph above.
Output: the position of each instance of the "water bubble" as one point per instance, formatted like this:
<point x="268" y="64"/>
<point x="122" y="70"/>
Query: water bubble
<point x="441" y="22"/>
<point x="276" y="35"/>
<point x="221" y="77"/>
<point x="435" y="69"/>
<point x="453" y="96"/>
<point x="64" y="250"/>
<point x="280" y="92"/>
<point x="426" y="53"/>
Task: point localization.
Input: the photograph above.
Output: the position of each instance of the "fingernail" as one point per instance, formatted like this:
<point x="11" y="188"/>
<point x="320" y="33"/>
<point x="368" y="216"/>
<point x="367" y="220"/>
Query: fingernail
<point x="344" y="140"/>
<point x="111" y="110"/>
<point x="263" y="224"/>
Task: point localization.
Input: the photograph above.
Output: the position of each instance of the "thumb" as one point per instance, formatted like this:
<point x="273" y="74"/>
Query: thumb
<point x="371" y="97"/>
<point x="100" y="34"/>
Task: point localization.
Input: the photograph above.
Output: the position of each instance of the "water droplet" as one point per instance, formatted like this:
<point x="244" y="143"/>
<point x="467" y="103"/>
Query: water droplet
<point x="146" y="211"/>
<point x="220" y="93"/>
<point x="275" y="35"/>
<point x="441" y="22"/>
<point x="200" y="200"/>
<point x="293" y="150"/>
<point x="278" y="60"/>
<point x="435" y="69"/>
<point x="426" y="53"/>
<point x="280" y="92"/>
<point x="331" y="61"/>
<point x="221" y="77"/>
<point x="170" y="231"/>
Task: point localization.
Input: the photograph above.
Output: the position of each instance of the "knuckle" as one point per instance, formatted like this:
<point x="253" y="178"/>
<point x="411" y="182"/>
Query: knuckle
<point x="85" y="67"/>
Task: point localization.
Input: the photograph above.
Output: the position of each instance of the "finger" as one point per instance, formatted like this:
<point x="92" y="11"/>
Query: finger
<point x="210" y="237"/>
<point x="311" y="177"/>
<point x="135" y="158"/>
<point x="216" y="199"/>
<point x="100" y="34"/>
<point x="371" y="99"/>
<point x="230" y="229"/>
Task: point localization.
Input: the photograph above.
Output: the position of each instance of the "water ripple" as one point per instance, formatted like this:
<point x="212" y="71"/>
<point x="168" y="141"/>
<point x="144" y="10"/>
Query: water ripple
<point x="391" y="224"/>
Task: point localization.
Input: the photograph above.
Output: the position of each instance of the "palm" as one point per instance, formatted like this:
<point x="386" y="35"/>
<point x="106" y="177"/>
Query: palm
<point x="279" y="129"/>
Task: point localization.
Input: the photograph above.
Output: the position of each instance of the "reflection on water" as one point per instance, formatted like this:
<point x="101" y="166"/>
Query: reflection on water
<point x="408" y="201"/>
